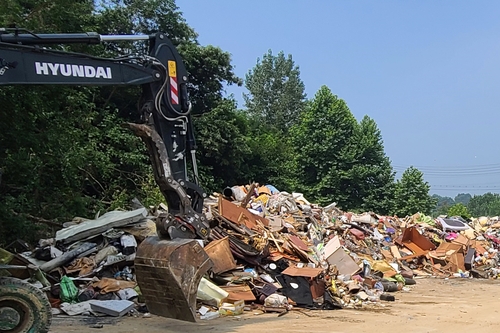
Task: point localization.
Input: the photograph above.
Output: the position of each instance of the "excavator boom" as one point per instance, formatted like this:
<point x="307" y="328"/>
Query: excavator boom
<point x="170" y="265"/>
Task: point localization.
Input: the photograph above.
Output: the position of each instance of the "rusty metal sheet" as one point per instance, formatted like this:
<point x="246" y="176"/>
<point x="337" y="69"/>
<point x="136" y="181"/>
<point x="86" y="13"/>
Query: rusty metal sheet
<point x="168" y="273"/>
<point x="417" y="251"/>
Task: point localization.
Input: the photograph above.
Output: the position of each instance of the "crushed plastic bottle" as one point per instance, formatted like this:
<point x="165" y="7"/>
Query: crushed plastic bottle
<point x="379" y="286"/>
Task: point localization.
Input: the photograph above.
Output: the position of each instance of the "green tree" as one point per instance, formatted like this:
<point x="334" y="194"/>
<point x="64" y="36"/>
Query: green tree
<point x="223" y="146"/>
<point x="412" y="194"/>
<point x="276" y="92"/>
<point x="271" y="152"/>
<point x="372" y="172"/>
<point x="459" y="209"/>
<point x="50" y="16"/>
<point x="487" y="204"/>
<point x="209" y="69"/>
<point x="323" y="150"/>
<point x="442" y="205"/>
<point x="143" y="17"/>
<point x="64" y="153"/>
<point x="275" y="100"/>
<point x="463" y="198"/>
<point x="46" y="153"/>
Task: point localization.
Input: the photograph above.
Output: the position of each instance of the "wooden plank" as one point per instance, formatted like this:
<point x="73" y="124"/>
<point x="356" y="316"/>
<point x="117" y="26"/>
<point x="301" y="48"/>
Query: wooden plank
<point x="395" y="252"/>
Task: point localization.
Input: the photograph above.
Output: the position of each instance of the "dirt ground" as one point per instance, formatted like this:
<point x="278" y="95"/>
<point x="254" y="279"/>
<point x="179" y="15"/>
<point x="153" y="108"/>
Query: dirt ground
<point x="433" y="305"/>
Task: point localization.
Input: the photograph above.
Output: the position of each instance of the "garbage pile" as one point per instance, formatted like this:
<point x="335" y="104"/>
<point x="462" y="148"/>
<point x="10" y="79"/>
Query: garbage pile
<point x="272" y="251"/>
<point x="277" y="251"/>
<point x="88" y="267"/>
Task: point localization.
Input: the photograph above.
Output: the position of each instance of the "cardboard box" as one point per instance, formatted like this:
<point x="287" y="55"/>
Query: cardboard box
<point x="232" y="309"/>
<point x="335" y="255"/>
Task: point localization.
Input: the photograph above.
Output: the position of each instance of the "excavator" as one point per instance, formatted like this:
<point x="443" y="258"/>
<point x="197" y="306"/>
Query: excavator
<point x="170" y="265"/>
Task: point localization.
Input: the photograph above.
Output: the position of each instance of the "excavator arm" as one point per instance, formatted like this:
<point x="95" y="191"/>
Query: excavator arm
<point x="169" y="266"/>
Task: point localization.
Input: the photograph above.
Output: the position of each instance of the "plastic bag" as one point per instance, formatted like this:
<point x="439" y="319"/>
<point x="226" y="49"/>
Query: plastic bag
<point x="276" y="300"/>
<point x="69" y="292"/>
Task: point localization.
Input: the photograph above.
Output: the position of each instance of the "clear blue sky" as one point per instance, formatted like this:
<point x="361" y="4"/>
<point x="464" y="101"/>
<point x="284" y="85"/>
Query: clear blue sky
<point x="428" y="72"/>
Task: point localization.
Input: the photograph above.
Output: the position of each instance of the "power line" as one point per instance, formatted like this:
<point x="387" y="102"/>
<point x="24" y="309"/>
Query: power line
<point x="486" y="184"/>
<point x="464" y="172"/>
<point x="491" y="170"/>
<point x="441" y="168"/>
<point x="457" y="175"/>
<point x="451" y="167"/>
<point x="468" y="190"/>
<point x="467" y="187"/>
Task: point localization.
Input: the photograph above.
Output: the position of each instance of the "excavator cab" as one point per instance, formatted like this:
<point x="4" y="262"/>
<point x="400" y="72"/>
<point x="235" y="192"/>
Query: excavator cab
<point x="170" y="265"/>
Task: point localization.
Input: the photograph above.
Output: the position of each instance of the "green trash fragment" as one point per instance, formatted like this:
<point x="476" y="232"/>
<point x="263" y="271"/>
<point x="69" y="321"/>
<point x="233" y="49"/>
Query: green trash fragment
<point x="140" y="297"/>
<point x="5" y="257"/>
<point x="69" y="292"/>
<point x="426" y="219"/>
<point x="397" y="278"/>
<point x="400" y="278"/>
<point x="40" y="276"/>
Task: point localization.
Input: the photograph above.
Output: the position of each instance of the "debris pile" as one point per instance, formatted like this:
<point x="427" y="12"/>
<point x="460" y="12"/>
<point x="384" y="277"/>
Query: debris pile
<point x="272" y="251"/>
<point x="88" y="267"/>
<point x="288" y="253"/>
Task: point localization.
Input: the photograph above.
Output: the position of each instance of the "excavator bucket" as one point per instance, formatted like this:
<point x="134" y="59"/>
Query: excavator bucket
<point x="168" y="273"/>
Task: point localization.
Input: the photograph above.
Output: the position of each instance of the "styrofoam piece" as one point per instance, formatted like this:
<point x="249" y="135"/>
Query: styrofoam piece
<point x="116" y="308"/>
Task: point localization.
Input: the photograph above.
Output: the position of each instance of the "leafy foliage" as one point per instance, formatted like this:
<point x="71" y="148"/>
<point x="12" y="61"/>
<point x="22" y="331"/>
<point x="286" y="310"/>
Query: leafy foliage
<point x="271" y="154"/>
<point x="275" y="100"/>
<point x="276" y="92"/>
<point x="209" y="67"/>
<point x="463" y="198"/>
<point x="412" y="194"/>
<point x="209" y="70"/>
<point x="324" y="150"/>
<point x="337" y="159"/>
<point x="64" y="152"/>
<point x="487" y="204"/>
<point x="442" y="205"/>
<point x="50" y="16"/>
<point x="372" y="172"/>
<point x="145" y="17"/>
<point x="459" y="209"/>
<point x="223" y="146"/>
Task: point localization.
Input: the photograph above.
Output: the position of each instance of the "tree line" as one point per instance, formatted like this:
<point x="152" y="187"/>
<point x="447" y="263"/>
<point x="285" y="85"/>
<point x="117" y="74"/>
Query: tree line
<point x="64" y="152"/>
<point x="467" y="206"/>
